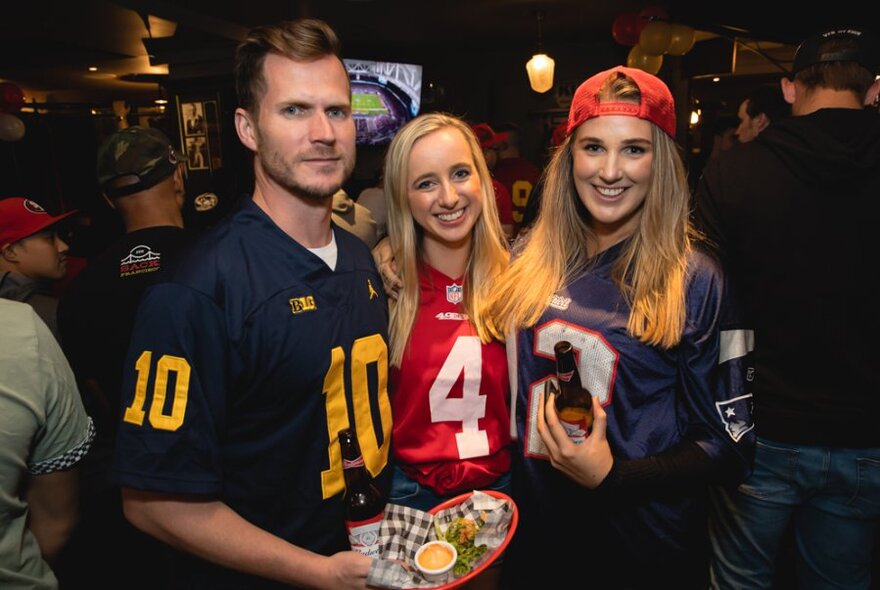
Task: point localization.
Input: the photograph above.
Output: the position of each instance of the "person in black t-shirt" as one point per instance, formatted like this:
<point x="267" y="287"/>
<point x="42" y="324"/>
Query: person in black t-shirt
<point x="141" y="176"/>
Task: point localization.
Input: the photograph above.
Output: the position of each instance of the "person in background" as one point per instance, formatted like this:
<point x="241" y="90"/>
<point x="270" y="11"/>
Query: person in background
<point x="764" y="105"/>
<point x="518" y="175"/>
<point x="449" y="383"/>
<point x="533" y="206"/>
<point x="373" y="198"/>
<point x="354" y="218"/>
<point x="32" y="255"/>
<point x="44" y="433"/>
<point x="613" y="266"/>
<point x="783" y="209"/>
<point x="269" y="338"/>
<point x="141" y="176"/>
<point x="491" y="143"/>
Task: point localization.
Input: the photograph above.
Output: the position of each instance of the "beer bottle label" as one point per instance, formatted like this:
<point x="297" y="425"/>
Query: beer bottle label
<point x="352" y="463"/>
<point x="576" y="423"/>
<point x="363" y="535"/>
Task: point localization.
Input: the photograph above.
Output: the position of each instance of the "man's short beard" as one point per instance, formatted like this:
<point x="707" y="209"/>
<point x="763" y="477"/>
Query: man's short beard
<point x="304" y="192"/>
<point x="314" y="196"/>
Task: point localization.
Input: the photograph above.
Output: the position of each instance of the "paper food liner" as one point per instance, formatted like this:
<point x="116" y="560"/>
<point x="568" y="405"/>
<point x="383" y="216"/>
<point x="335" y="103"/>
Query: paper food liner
<point x="405" y="529"/>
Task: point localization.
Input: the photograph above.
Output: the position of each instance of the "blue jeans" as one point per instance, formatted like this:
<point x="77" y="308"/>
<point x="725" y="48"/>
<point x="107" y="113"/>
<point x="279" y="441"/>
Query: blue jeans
<point x="408" y="492"/>
<point x="829" y="496"/>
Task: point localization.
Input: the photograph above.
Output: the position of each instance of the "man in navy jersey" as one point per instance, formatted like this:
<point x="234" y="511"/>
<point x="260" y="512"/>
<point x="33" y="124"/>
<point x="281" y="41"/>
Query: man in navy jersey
<point x="269" y="339"/>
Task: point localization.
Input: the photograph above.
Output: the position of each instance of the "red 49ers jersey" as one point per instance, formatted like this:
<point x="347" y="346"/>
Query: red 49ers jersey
<point x="449" y="397"/>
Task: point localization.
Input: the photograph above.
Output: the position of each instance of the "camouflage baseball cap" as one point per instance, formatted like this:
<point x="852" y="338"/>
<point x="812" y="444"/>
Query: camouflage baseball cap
<point x="135" y="159"/>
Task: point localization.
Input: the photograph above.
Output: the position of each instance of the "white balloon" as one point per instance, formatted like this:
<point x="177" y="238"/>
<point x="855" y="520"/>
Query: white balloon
<point x="11" y="127"/>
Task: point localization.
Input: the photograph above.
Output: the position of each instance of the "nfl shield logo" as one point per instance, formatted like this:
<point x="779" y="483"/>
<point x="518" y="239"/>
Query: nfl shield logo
<point x="453" y="293"/>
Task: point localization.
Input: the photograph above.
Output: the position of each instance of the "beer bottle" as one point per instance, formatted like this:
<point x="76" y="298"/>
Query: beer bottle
<point x="363" y="503"/>
<point x="574" y="404"/>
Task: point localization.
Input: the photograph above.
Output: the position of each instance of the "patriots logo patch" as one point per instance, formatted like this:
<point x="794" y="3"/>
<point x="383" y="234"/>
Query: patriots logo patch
<point x="736" y="415"/>
<point x="454" y="293"/>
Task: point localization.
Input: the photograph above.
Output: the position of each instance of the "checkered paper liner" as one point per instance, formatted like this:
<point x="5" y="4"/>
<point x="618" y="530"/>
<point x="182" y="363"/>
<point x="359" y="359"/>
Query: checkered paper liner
<point x="405" y="529"/>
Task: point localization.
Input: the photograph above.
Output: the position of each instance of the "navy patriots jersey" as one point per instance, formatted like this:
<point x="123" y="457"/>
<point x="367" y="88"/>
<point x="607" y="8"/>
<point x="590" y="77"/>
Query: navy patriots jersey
<point x="697" y="391"/>
<point x="241" y="372"/>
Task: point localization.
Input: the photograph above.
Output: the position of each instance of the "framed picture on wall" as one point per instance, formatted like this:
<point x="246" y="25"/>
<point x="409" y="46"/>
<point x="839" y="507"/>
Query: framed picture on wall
<point x="199" y="125"/>
<point x="196" y="153"/>
<point x="193" y="118"/>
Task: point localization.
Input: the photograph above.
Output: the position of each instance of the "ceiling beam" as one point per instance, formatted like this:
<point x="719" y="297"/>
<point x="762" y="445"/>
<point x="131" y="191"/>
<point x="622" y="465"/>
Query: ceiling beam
<point x="191" y="19"/>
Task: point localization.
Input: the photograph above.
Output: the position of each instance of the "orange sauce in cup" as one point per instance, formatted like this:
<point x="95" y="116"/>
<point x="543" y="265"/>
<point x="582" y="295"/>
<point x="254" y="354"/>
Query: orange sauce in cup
<point x="435" y="557"/>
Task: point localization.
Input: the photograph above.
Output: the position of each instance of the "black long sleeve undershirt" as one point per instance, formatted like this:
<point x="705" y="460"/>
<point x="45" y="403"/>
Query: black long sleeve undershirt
<point x="683" y="466"/>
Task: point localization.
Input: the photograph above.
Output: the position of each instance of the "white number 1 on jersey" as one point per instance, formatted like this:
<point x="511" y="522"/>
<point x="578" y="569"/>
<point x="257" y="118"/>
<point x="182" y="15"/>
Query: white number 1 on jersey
<point x="466" y="355"/>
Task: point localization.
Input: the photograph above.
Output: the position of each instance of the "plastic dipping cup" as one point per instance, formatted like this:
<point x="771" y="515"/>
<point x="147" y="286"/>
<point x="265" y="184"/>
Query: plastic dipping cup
<point x="435" y="559"/>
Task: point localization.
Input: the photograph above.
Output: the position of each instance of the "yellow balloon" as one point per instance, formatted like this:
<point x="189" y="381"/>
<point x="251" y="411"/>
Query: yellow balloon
<point x="638" y="59"/>
<point x="655" y="37"/>
<point x="11" y="127"/>
<point x="682" y="39"/>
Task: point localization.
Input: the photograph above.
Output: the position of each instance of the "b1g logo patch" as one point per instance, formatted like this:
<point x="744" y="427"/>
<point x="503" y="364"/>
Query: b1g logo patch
<point x="302" y="304"/>
<point x="454" y="293"/>
<point x="736" y="415"/>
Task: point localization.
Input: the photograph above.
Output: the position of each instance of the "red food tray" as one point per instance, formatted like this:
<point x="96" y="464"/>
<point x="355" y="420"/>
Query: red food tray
<point x="514" y="519"/>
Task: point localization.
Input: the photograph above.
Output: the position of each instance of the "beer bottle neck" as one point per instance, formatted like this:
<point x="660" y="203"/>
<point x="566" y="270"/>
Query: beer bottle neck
<point x="355" y="472"/>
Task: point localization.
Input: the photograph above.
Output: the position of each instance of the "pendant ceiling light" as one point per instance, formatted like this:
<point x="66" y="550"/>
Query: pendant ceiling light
<point x="540" y="67"/>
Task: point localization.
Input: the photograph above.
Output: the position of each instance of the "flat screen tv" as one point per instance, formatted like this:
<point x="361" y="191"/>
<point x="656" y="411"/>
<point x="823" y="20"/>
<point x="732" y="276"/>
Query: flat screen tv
<point x="384" y="96"/>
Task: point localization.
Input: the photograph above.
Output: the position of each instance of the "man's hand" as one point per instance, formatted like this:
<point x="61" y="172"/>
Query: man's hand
<point x="347" y="569"/>
<point x="383" y="256"/>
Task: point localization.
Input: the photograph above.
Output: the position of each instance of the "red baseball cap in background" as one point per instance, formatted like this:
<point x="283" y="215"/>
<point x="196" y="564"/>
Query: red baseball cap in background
<point x="487" y="136"/>
<point x="20" y="218"/>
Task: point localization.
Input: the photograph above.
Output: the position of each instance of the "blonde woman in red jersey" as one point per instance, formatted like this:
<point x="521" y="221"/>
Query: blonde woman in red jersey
<point x="449" y="382"/>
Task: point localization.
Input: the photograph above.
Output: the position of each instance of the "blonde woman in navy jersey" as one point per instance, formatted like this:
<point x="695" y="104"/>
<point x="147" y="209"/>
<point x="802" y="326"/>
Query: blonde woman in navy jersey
<point x="613" y="267"/>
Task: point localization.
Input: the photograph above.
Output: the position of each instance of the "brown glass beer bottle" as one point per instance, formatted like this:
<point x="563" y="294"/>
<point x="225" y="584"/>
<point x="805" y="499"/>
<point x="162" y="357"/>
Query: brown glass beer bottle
<point x="363" y="503"/>
<point x="574" y="404"/>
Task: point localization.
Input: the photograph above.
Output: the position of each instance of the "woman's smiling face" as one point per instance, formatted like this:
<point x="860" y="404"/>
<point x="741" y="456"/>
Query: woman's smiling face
<point x="612" y="157"/>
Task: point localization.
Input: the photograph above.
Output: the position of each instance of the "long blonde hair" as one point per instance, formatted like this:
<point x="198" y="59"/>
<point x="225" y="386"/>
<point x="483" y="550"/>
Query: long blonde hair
<point x="651" y="271"/>
<point x="488" y="254"/>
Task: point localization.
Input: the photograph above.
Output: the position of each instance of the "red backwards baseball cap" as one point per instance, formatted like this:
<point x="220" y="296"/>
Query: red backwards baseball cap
<point x="20" y="218"/>
<point x="656" y="104"/>
<point x="487" y="136"/>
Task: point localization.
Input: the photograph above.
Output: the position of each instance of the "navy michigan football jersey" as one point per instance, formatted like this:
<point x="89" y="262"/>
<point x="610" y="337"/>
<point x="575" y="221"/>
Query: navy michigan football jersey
<point x="697" y="391"/>
<point x="241" y="372"/>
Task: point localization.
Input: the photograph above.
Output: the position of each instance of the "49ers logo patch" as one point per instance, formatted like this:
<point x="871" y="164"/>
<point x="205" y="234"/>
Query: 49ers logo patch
<point x="34" y="207"/>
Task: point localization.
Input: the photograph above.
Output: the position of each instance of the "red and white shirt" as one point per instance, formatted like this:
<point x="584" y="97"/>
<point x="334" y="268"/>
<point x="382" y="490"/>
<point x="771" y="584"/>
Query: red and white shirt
<point x="449" y="398"/>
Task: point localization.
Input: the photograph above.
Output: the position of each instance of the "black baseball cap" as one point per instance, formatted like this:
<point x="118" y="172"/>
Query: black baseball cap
<point x="865" y="51"/>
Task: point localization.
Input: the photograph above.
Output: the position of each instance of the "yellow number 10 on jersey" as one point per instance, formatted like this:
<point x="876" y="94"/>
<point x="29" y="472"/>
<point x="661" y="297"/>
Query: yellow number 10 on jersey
<point x="364" y="352"/>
